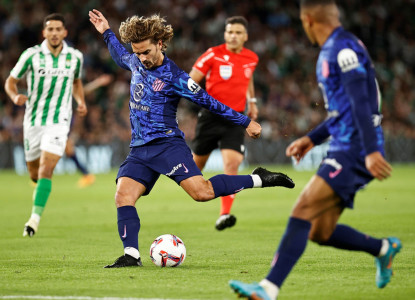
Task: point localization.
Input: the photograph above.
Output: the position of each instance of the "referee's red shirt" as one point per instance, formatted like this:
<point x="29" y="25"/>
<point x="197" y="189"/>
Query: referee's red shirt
<point x="227" y="74"/>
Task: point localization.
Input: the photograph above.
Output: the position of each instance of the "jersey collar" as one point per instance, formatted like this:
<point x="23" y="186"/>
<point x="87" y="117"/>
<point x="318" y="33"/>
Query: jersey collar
<point x="46" y="50"/>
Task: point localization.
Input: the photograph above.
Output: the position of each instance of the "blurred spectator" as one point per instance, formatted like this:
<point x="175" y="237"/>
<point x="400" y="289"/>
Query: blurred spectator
<point x="290" y="103"/>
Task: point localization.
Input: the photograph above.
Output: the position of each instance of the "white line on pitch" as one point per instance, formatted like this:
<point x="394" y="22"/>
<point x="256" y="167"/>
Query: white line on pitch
<point x="75" y="298"/>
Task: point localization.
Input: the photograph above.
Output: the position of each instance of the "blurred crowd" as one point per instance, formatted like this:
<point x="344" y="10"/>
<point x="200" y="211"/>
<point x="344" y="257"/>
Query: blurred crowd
<point x="289" y="101"/>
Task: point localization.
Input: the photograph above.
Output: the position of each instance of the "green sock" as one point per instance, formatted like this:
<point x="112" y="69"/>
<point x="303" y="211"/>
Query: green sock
<point x="41" y="195"/>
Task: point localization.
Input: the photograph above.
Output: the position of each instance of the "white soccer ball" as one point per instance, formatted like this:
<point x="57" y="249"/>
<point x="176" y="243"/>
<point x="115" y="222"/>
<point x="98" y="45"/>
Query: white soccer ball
<point x="167" y="250"/>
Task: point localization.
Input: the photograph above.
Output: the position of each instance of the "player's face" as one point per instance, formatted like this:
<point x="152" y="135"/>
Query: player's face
<point x="54" y="32"/>
<point x="307" y="25"/>
<point x="235" y="37"/>
<point x="148" y="53"/>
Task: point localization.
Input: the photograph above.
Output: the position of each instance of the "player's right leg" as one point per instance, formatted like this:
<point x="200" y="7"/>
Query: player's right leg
<point x="231" y="162"/>
<point x="128" y="191"/>
<point x="134" y="179"/>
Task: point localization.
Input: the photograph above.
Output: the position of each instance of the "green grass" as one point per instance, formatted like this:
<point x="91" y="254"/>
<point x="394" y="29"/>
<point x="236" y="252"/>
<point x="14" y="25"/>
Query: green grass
<point x="78" y="236"/>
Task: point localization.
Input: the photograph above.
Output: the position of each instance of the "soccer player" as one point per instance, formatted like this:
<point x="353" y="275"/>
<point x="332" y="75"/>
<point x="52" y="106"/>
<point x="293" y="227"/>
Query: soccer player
<point x="53" y="74"/>
<point x="157" y="144"/>
<point x="346" y="76"/>
<point x="228" y="69"/>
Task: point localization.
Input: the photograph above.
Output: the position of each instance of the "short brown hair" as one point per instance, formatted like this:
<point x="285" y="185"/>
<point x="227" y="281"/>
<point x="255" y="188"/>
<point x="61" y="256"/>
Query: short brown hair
<point x="55" y="17"/>
<point x="306" y="3"/>
<point x="237" y="20"/>
<point x="137" y="29"/>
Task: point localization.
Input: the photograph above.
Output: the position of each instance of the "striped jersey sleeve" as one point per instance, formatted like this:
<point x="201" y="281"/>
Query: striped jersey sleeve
<point x="24" y="63"/>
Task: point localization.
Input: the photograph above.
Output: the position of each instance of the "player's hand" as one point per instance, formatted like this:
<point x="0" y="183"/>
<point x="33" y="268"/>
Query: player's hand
<point x="82" y="110"/>
<point x="252" y="111"/>
<point x="299" y="148"/>
<point x="99" y="21"/>
<point x="378" y="166"/>
<point x="20" y="99"/>
<point x="254" y="130"/>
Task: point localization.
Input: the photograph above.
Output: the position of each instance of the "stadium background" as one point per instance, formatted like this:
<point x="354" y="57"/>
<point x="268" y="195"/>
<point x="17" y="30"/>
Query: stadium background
<point x="290" y="103"/>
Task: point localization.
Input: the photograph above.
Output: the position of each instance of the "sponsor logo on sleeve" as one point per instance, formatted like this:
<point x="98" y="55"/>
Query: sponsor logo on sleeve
<point x="347" y="60"/>
<point x="204" y="59"/>
<point x="248" y="72"/>
<point x="193" y="86"/>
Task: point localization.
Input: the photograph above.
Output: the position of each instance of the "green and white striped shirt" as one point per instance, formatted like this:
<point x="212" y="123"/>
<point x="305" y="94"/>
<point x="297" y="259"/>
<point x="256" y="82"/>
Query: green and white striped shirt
<point x="50" y="81"/>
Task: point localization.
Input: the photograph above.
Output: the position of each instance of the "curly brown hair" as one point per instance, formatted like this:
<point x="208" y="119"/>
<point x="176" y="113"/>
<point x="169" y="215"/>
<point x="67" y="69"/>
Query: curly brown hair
<point x="137" y="29"/>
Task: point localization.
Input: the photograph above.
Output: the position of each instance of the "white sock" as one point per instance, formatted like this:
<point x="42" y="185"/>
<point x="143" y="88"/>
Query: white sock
<point x="271" y="289"/>
<point x="132" y="252"/>
<point x="35" y="217"/>
<point x="384" y="249"/>
<point x="257" y="180"/>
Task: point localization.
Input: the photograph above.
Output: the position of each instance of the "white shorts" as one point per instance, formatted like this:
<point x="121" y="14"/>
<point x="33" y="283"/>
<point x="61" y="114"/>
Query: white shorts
<point x="51" y="138"/>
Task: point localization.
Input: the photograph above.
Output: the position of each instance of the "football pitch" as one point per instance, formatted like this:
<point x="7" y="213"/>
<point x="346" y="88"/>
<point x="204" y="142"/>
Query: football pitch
<point x="78" y="236"/>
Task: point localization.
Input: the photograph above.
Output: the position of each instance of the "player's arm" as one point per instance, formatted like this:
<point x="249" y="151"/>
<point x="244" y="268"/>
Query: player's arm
<point x="10" y="86"/>
<point x="299" y="148"/>
<point x="355" y="83"/>
<point x="78" y="94"/>
<point x="118" y="52"/>
<point x="196" y="75"/>
<point x="252" y="101"/>
<point x="359" y="99"/>
<point x="186" y="87"/>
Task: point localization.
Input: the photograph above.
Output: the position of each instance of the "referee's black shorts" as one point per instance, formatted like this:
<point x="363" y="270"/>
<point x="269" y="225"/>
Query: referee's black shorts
<point x="213" y="131"/>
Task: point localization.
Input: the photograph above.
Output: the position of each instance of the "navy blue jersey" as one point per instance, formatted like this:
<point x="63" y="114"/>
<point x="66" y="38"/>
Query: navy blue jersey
<point x="346" y="77"/>
<point x="155" y="94"/>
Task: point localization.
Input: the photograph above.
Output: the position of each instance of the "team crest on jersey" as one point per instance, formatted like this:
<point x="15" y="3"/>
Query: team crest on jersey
<point x="226" y="57"/>
<point x="67" y="63"/>
<point x="225" y="71"/>
<point x="138" y="92"/>
<point x="158" y="85"/>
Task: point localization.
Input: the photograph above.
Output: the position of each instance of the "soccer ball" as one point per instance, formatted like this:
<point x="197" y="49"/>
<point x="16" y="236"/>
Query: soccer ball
<point x="167" y="250"/>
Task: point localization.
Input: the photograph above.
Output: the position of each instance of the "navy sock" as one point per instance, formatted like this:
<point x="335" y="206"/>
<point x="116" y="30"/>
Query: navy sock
<point x="224" y="185"/>
<point x="347" y="238"/>
<point x="291" y="247"/>
<point x="128" y="226"/>
<point x="79" y="165"/>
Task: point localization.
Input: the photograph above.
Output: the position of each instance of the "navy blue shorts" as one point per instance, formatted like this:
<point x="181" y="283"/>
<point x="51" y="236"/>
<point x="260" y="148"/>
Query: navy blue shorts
<point x="345" y="173"/>
<point x="169" y="156"/>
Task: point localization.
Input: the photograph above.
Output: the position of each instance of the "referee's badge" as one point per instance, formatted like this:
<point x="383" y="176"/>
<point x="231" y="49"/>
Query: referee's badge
<point x="225" y="71"/>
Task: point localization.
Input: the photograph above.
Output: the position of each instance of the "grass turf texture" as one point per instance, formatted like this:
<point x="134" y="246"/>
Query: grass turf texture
<point x="78" y="236"/>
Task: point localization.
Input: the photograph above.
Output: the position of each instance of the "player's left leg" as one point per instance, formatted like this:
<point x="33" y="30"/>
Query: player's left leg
<point x="202" y="190"/>
<point x="47" y="164"/>
<point x="348" y="238"/>
<point x="231" y="161"/>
